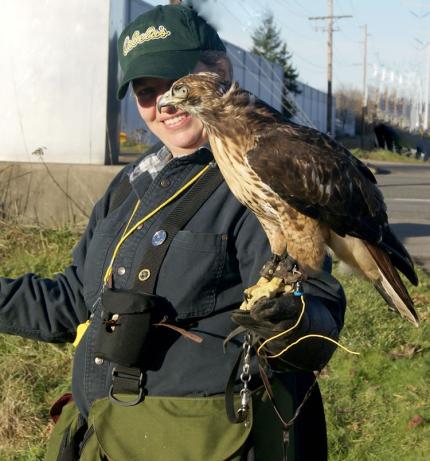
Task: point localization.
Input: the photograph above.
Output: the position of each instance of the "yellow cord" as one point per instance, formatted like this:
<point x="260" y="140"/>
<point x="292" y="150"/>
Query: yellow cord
<point x="282" y="333"/>
<point x="127" y="232"/>
<point x="301" y="338"/>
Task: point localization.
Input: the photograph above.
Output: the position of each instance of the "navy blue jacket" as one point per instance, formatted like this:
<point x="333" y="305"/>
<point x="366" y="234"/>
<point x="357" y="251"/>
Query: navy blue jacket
<point x="208" y="265"/>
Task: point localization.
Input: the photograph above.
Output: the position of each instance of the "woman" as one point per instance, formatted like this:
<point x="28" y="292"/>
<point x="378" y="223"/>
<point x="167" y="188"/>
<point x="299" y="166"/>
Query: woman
<point x="155" y="278"/>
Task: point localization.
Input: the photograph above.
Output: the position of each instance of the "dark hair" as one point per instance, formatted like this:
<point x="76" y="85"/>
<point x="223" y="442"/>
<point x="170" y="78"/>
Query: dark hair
<point x="217" y="61"/>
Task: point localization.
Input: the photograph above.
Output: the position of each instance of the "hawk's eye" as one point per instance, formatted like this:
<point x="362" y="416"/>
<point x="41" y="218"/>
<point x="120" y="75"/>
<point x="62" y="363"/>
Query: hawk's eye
<point x="180" y="91"/>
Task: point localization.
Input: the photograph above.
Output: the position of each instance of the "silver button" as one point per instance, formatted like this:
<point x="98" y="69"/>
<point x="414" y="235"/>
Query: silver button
<point x="121" y="270"/>
<point x="98" y="361"/>
<point x="159" y="237"/>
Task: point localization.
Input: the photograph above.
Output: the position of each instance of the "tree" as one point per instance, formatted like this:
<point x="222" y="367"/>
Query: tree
<point x="348" y="105"/>
<point x="268" y="43"/>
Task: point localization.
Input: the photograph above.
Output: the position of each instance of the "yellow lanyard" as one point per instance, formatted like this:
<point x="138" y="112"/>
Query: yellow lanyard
<point x="127" y="232"/>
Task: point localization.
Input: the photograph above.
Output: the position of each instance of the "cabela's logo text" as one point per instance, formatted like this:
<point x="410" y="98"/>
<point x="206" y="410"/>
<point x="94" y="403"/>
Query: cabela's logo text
<point x="137" y="38"/>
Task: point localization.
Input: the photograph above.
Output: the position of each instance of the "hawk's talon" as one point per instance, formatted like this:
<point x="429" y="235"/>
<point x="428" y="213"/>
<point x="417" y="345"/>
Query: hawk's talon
<point x="279" y="276"/>
<point x="264" y="288"/>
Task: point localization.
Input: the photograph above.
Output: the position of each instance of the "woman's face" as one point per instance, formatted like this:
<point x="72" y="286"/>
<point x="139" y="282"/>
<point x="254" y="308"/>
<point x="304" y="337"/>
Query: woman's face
<point x="179" y="131"/>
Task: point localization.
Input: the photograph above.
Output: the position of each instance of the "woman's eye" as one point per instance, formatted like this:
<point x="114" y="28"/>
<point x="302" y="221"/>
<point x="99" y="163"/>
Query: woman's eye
<point x="145" y="96"/>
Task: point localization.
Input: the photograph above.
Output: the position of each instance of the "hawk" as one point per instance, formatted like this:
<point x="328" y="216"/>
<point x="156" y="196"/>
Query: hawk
<point x="307" y="191"/>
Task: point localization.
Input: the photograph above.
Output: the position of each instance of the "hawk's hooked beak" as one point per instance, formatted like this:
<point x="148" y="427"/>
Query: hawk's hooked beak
<point x="166" y="100"/>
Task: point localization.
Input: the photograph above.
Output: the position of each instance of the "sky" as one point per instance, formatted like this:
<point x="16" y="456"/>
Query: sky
<point x="399" y="31"/>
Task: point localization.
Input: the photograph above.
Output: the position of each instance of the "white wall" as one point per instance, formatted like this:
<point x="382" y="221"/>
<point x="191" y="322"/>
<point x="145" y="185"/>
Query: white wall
<point x="53" y="82"/>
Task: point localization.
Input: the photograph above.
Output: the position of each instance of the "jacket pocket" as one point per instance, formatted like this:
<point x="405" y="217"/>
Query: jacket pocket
<point x="192" y="271"/>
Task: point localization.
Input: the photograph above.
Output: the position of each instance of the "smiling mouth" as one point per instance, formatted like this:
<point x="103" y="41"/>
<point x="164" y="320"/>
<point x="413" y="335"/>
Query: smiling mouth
<point x="175" y="120"/>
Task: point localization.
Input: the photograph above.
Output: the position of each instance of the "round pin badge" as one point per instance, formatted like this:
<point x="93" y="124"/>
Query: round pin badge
<point x="159" y="237"/>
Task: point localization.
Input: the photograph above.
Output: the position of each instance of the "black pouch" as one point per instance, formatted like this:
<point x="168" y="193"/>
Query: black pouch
<point x="126" y="319"/>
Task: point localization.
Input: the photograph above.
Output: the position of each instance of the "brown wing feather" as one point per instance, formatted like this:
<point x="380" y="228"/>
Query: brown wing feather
<point x="321" y="179"/>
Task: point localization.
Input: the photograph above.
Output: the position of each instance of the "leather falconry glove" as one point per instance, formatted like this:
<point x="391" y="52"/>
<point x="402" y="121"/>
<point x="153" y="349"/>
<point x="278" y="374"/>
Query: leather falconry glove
<point x="269" y="317"/>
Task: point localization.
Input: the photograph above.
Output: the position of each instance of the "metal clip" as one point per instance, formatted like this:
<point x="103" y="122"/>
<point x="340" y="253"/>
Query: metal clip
<point x="298" y="286"/>
<point x="130" y="378"/>
<point x="245" y="377"/>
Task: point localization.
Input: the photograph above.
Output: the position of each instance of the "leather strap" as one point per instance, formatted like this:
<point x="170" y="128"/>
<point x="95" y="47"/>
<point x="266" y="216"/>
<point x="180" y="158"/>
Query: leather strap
<point x="286" y="425"/>
<point x="131" y="380"/>
<point x="179" y="216"/>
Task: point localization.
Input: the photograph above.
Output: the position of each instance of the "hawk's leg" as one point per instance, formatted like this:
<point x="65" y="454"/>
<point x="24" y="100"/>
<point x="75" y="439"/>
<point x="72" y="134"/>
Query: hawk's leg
<point x="268" y="270"/>
<point x="278" y="276"/>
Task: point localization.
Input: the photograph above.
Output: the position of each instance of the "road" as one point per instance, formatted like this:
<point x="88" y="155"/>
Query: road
<point x="406" y="189"/>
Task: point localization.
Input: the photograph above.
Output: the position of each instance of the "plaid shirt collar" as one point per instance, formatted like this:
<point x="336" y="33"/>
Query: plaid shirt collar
<point x="152" y="164"/>
<point x="155" y="162"/>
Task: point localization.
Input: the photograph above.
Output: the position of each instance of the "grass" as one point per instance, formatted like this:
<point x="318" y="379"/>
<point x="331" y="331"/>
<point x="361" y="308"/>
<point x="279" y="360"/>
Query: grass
<point x="384" y="155"/>
<point x="376" y="404"/>
<point x="128" y="147"/>
<point x="33" y="374"/>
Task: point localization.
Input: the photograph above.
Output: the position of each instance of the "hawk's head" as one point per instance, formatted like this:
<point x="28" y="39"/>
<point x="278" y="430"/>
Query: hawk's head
<point x="198" y="94"/>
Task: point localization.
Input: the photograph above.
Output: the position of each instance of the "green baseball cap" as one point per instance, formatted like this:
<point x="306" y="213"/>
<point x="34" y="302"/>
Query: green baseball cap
<point x="166" y="42"/>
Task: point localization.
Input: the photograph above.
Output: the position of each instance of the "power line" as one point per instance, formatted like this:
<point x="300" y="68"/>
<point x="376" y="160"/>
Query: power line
<point x="261" y="70"/>
<point x="285" y="6"/>
<point x="302" y="116"/>
<point x="276" y="76"/>
<point x="244" y="6"/>
<point x="296" y="33"/>
<point x="287" y="93"/>
<point x="303" y="7"/>
<point x="321" y="68"/>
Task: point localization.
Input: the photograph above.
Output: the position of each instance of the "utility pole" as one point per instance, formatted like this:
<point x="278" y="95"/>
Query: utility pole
<point x="330" y="19"/>
<point x="330" y="68"/>
<point x="365" y="95"/>
<point x="426" y="97"/>
<point x="426" y="85"/>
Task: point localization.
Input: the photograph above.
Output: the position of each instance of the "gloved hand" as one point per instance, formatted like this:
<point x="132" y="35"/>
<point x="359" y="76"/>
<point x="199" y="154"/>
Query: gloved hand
<point x="269" y="317"/>
<point x="272" y="316"/>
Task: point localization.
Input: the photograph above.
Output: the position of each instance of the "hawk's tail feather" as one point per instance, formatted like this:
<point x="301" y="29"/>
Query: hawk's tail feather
<point x="401" y="263"/>
<point x="391" y="286"/>
<point x="399" y="255"/>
